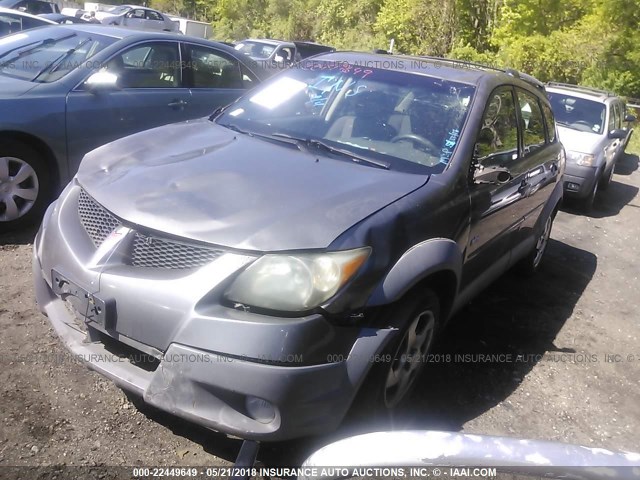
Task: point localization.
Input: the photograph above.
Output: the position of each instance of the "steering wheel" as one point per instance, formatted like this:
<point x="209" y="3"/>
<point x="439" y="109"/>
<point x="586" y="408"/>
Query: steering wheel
<point x="415" y="138"/>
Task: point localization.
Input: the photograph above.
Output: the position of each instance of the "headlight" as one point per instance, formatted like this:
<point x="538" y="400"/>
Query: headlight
<point x="295" y="283"/>
<point x="579" y="158"/>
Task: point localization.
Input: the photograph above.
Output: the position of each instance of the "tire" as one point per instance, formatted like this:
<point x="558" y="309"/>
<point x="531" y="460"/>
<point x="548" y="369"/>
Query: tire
<point x="25" y="186"/>
<point x="605" y="181"/>
<point x="586" y="204"/>
<point x="397" y="369"/>
<point x="530" y="264"/>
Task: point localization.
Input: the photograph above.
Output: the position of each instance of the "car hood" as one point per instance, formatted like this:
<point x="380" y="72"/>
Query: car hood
<point x="12" y="87"/>
<point x="200" y="181"/>
<point x="584" y="142"/>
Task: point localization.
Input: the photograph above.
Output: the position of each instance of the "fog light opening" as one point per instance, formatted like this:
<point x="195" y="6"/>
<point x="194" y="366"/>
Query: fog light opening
<point x="573" y="186"/>
<point x="260" y="410"/>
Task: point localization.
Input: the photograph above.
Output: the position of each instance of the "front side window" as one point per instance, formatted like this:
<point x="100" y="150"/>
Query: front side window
<point x="550" y="121"/>
<point x="578" y="113"/>
<point x="617" y="113"/>
<point x="533" y="135"/>
<point x="412" y="122"/>
<point x="150" y="65"/>
<point x="256" y="49"/>
<point x="48" y="55"/>
<point x="212" y="69"/>
<point x="497" y="142"/>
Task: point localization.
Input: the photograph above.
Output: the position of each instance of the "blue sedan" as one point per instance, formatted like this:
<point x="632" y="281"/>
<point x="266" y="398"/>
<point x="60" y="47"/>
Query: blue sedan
<point x="66" y="90"/>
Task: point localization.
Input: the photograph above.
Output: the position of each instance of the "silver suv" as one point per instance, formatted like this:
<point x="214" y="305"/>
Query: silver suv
<point x="593" y="127"/>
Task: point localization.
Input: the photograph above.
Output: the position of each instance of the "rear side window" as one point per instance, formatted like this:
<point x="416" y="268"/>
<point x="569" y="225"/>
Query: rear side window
<point x="497" y="142"/>
<point x="151" y="65"/>
<point x="212" y="69"/>
<point x="151" y="15"/>
<point x="532" y="121"/>
<point x="550" y="121"/>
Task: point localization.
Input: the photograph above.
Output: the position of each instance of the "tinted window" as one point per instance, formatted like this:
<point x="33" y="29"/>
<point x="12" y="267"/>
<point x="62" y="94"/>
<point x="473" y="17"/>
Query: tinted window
<point x="412" y="121"/>
<point x="497" y="142"/>
<point x="256" y="49"/>
<point x="152" y="65"/>
<point x="533" y="135"/>
<point x="213" y="69"/>
<point x="550" y="121"/>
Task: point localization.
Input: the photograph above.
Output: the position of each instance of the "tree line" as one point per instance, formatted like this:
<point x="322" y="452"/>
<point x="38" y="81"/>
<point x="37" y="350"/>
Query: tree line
<point x="591" y="42"/>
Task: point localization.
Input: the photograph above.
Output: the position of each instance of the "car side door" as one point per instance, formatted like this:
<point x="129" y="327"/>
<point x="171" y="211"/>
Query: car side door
<point x="149" y="92"/>
<point x="155" y="21"/>
<point x="540" y="162"/>
<point x="493" y="222"/>
<point x="135" y="18"/>
<point x="215" y="78"/>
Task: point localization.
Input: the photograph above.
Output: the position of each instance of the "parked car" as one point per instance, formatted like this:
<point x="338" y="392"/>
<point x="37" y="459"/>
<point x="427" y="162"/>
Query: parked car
<point x="63" y="19"/>
<point x="143" y="18"/>
<point x="306" y="243"/>
<point x="276" y="55"/>
<point x="13" y="21"/>
<point x="424" y="453"/>
<point x="34" y="7"/>
<point x="592" y="127"/>
<point x="68" y="89"/>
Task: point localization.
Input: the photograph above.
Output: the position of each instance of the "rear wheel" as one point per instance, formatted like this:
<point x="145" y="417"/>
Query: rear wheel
<point x="25" y="186"/>
<point x="531" y="263"/>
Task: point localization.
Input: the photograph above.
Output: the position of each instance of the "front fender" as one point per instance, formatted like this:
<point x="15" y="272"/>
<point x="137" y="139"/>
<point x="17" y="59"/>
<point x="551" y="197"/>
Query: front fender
<point x="416" y="264"/>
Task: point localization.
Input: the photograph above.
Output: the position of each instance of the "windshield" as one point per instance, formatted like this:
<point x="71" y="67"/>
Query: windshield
<point x="411" y="122"/>
<point x="578" y="113"/>
<point x="46" y="55"/>
<point x="256" y="49"/>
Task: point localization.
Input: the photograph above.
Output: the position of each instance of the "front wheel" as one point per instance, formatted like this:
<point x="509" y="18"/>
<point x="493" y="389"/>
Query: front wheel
<point x="25" y="186"/>
<point x="397" y="369"/>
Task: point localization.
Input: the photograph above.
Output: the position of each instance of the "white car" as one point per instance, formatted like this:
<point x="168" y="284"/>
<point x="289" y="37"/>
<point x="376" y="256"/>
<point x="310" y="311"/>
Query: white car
<point x="141" y="18"/>
<point x="12" y="21"/>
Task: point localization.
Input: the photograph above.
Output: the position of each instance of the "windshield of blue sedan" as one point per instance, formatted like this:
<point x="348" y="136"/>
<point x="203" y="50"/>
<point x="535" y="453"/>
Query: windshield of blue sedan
<point x="46" y="55"/>
<point x="407" y="121"/>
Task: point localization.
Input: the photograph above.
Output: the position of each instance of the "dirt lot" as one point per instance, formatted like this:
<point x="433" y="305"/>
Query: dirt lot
<point x="557" y="385"/>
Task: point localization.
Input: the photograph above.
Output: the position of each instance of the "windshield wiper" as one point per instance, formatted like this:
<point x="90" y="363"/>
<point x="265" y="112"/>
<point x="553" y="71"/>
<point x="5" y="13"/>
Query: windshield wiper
<point x="313" y="142"/>
<point x="33" y="45"/>
<point x="58" y="61"/>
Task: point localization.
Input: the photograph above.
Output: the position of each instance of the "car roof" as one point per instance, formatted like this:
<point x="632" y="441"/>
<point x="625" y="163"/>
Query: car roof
<point x="269" y="41"/>
<point x="580" y="91"/>
<point x="24" y="14"/>
<point x="455" y="70"/>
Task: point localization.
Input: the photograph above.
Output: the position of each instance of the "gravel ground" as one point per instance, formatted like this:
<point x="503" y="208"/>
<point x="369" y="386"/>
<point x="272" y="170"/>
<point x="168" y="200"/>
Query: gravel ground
<point x="569" y="365"/>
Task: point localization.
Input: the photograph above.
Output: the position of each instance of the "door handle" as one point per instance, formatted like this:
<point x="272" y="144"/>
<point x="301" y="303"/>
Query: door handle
<point x="554" y="167"/>
<point x="178" y="104"/>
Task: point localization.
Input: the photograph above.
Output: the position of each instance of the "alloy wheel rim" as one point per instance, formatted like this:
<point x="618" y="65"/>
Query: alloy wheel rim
<point x="543" y="240"/>
<point x="18" y="188"/>
<point x="409" y="358"/>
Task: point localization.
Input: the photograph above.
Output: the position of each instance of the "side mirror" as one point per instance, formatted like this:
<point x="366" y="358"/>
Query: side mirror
<point x="102" y="81"/>
<point x="618" y="133"/>
<point x="493" y="175"/>
<point x="630" y="118"/>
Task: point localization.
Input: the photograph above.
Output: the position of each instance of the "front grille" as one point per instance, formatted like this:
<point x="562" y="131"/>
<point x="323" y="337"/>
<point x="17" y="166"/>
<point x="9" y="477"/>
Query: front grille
<point x="154" y="252"/>
<point x="147" y="250"/>
<point x="97" y="221"/>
